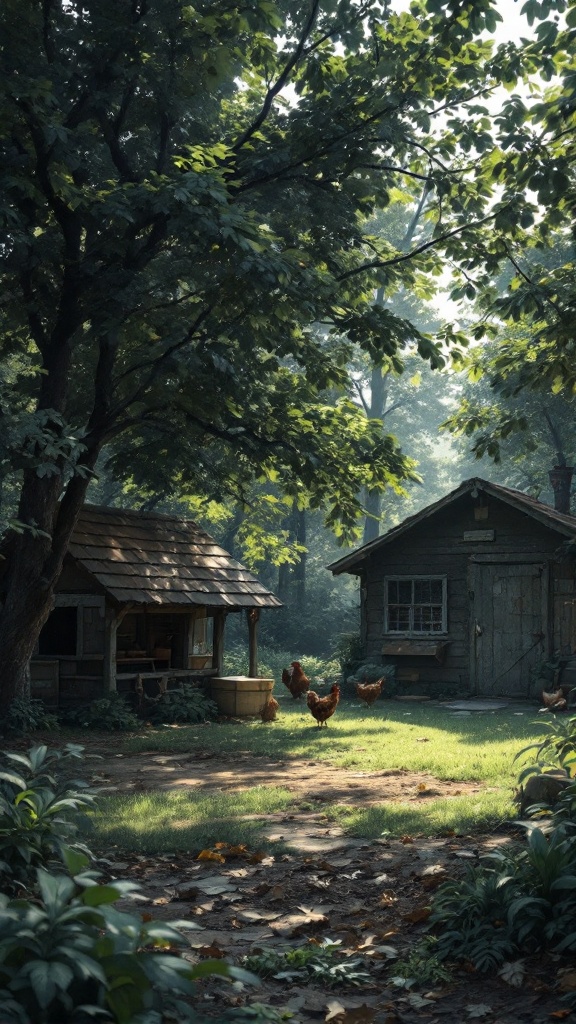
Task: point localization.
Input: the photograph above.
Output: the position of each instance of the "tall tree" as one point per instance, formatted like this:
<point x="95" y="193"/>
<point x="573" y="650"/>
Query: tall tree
<point x="183" y="193"/>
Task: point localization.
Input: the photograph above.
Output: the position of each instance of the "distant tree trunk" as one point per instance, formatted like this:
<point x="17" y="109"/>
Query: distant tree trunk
<point x="377" y="410"/>
<point x="301" y="565"/>
<point x="229" y="541"/>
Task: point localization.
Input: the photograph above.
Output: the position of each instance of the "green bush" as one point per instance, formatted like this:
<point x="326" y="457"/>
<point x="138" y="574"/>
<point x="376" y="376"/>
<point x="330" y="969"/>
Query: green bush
<point x="26" y="714"/>
<point x="71" y="957"/>
<point x="185" y="704"/>
<point x="36" y="812"/>
<point x="371" y="672"/>
<point x="272" y="660"/>
<point x="110" y="714"/>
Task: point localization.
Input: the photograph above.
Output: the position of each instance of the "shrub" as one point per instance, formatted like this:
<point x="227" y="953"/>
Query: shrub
<point x="185" y="704"/>
<point x="36" y="812"/>
<point x="71" y="957"/>
<point x="371" y="672"/>
<point x="110" y="714"/>
<point x="26" y="714"/>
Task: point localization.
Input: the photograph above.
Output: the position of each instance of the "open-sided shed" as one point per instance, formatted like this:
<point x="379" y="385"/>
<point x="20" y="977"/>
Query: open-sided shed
<point x="141" y="595"/>
<point x="476" y="590"/>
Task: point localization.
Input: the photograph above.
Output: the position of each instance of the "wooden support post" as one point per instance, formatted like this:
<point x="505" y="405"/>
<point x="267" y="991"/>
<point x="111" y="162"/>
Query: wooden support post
<point x="110" y="630"/>
<point x="253" y="616"/>
<point x="112" y="619"/>
<point x="218" y="641"/>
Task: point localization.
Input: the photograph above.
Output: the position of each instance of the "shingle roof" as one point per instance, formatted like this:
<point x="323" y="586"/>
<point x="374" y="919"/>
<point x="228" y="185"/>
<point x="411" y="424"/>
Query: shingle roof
<point x="548" y="516"/>
<point x="148" y="558"/>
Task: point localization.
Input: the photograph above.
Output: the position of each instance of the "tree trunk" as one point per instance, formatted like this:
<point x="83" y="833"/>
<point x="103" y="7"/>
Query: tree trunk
<point x="301" y="565"/>
<point x="373" y="499"/>
<point x="34" y="565"/>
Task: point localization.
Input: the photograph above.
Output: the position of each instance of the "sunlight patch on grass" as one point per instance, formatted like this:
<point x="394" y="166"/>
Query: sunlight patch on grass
<point x="165" y="822"/>
<point x="461" y="814"/>
<point x="425" y="739"/>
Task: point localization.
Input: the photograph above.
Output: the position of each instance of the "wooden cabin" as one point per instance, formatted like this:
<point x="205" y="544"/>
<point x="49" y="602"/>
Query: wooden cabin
<point x="141" y="596"/>
<point x="472" y="593"/>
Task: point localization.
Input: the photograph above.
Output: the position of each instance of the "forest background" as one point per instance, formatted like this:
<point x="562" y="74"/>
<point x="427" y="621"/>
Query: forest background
<point x="291" y="270"/>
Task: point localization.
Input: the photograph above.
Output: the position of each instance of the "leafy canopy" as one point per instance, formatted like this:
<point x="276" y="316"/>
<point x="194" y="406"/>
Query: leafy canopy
<point x="185" y="200"/>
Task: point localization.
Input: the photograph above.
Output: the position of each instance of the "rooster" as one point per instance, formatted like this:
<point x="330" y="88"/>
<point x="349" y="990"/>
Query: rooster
<point x="295" y="679"/>
<point x="268" y="712"/>
<point x="323" y="707"/>
<point x="369" y="692"/>
<point x="555" y="701"/>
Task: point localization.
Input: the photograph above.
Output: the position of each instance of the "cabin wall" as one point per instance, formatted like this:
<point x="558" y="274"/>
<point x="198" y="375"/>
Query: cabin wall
<point x="438" y="547"/>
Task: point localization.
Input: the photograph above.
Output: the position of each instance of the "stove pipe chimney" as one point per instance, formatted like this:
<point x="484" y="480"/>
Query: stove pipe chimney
<point x="561" y="480"/>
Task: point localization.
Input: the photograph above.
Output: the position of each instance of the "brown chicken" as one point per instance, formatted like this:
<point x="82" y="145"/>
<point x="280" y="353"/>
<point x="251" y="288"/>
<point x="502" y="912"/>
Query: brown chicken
<point x="555" y="701"/>
<point x="295" y="679"/>
<point x="268" y="712"/>
<point x="323" y="707"/>
<point x="369" y="692"/>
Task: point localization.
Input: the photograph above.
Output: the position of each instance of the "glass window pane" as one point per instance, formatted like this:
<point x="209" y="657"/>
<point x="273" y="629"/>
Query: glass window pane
<point x="393" y="591"/>
<point x="421" y="591"/>
<point x="405" y="591"/>
<point x="398" y="618"/>
<point x="436" y="594"/>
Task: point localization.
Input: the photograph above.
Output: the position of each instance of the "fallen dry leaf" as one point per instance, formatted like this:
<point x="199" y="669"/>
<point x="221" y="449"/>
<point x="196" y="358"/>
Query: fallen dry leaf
<point x="567" y="980"/>
<point x="356" y="1015"/>
<point x="406" y="839"/>
<point x="210" y="855"/>
<point x="334" y="1009"/>
<point x="477" y="1010"/>
<point x="418" y="915"/>
<point x="213" y="952"/>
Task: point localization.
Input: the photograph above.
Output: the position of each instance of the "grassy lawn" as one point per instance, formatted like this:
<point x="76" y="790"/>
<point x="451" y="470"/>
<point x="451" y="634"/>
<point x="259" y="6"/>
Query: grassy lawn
<point x="480" y="747"/>
<point x="168" y="822"/>
<point x="419" y="738"/>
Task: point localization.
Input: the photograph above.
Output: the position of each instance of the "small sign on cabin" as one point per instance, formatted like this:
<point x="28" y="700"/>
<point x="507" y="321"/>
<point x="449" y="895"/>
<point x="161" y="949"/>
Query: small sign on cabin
<point x="474" y="535"/>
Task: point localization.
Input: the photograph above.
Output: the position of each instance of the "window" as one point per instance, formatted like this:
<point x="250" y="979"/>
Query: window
<point x="415" y="604"/>
<point x="59" y="636"/>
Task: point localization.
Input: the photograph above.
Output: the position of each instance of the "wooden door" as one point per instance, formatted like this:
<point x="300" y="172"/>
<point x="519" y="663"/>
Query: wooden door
<point x="509" y="626"/>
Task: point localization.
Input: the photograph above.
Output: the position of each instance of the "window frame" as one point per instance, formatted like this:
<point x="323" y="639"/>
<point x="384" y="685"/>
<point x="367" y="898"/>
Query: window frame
<point x="436" y="577"/>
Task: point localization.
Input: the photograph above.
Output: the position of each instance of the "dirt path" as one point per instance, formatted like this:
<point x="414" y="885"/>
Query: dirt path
<point x="372" y="897"/>
<point x="205" y="772"/>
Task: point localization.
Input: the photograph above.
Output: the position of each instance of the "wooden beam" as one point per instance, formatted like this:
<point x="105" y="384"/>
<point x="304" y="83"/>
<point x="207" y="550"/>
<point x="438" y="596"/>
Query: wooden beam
<point x="253" y="617"/>
<point x="110" y="630"/>
<point x="218" y="641"/>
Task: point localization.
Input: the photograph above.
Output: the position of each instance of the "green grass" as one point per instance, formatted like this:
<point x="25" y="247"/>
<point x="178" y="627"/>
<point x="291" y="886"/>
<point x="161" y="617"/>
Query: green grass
<point x="461" y="814"/>
<point x="476" y="748"/>
<point x="169" y="822"/>
<point x="392" y="735"/>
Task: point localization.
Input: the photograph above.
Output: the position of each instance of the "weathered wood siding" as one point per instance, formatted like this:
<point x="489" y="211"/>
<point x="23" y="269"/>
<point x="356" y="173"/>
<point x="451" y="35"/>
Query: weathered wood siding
<point x="436" y="546"/>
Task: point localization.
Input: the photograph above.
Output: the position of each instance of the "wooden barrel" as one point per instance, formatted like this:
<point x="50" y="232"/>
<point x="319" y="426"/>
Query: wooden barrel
<point x="240" y="695"/>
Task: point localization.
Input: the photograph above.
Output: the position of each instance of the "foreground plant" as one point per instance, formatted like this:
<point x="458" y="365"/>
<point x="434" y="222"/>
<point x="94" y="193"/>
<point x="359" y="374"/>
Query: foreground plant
<point x="71" y="956"/>
<point x="38" y="813"/>
<point x="322" y="964"/>
<point x="511" y="904"/>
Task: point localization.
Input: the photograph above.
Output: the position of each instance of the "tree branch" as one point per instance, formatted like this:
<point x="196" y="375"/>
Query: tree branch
<point x="376" y="264"/>
<point x="281" y="80"/>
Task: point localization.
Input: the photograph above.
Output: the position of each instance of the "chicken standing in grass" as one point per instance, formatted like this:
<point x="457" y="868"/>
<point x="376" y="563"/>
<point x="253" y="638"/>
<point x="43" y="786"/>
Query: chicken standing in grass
<point x="323" y="707"/>
<point x="295" y="679"/>
<point x="369" y="692"/>
<point x="268" y="712"/>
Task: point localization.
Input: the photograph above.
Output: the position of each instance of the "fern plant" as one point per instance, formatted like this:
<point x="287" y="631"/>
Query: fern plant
<point x="110" y="714"/>
<point x="185" y="704"/>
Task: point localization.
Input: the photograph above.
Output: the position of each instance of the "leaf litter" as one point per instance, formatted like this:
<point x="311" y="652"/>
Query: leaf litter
<point x="375" y="899"/>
